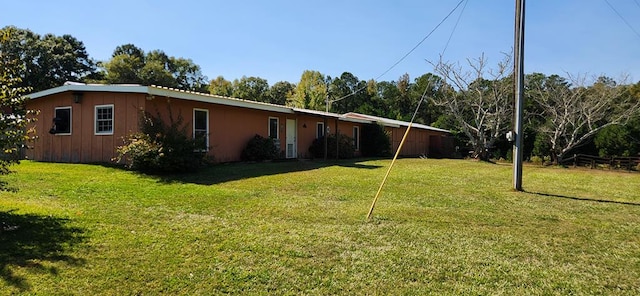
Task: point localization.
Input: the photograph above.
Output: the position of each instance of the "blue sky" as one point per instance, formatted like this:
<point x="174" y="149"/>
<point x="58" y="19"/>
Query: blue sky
<point x="279" y="39"/>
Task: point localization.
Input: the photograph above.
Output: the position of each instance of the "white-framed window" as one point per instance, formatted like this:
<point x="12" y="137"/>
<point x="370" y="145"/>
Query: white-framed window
<point x="319" y="130"/>
<point x="61" y="121"/>
<point x="273" y="127"/>
<point x="104" y="120"/>
<point x="201" y="128"/>
<point x="356" y="137"/>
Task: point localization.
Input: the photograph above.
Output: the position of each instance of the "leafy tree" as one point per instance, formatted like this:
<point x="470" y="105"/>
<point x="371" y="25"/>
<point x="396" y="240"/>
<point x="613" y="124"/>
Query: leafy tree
<point x="125" y="65"/>
<point x="311" y="91"/>
<point x="348" y="94"/>
<point x="403" y="104"/>
<point x="251" y="88"/>
<point x="221" y="87"/>
<point x="156" y="70"/>
<point x="386" y="91"/>
<point x="188" y="75"/>
<point x="280" y="92"/>
<point x="482" y="108"/>
<point x="130" y="64"/>
<point x="619" y="140"/>
<point x="14" y="116"/>
<point x="428" y="112"/>
<point x="374" y="104"/>
<point x="47" y="61"/>
<point x="130" y="50"/>
<point x="534" y="144"/>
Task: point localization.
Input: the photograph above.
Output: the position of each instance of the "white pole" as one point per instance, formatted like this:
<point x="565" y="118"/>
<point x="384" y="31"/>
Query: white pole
<point x="519" y="94"/>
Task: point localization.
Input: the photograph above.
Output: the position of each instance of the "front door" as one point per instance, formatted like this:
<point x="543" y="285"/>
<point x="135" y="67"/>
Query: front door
<point x="291" y="138"/>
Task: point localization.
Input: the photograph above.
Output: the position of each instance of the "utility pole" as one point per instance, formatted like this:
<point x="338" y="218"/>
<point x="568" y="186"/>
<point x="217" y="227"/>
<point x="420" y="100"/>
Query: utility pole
<point x="519" y="94"/>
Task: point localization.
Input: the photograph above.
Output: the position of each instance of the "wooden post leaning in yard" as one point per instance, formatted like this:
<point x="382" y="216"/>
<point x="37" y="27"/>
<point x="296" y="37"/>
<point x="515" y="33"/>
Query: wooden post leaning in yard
<point x="384" y="180"/>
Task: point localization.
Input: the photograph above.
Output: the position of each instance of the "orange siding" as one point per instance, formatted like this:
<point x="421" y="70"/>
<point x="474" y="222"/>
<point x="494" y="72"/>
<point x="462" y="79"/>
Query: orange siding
<point x="83" y="145"/>
<point x="346" y="128"/>
<point x="230" y="128"/>
<point x="418" y="142"/>
<point x="306" y="134"/>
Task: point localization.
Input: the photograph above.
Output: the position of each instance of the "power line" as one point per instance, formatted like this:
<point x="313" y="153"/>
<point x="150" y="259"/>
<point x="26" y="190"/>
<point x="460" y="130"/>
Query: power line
<point x="407" y="54"/>
<point x="623" y="19"/>
<point x="421" y="41"/>
<point x="454" y="28"/>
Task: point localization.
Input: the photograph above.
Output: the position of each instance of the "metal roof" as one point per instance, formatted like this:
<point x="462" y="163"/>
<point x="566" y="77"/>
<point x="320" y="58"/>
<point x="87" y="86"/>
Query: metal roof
<point x="222" y="100"/>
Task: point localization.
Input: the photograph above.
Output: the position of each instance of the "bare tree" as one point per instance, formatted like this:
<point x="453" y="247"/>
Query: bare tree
<point x="479" y="99"/>
<point x="574" y="112"/>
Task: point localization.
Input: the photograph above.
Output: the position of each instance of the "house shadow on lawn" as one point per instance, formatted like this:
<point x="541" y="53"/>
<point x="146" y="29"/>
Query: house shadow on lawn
<point x="221" y="173"/>
<point x="31" y="242"/>
<point x="585" y="199"/>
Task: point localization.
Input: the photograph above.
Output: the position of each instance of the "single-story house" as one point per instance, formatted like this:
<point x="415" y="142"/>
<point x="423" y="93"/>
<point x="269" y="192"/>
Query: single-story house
<point x="84" y="123"/>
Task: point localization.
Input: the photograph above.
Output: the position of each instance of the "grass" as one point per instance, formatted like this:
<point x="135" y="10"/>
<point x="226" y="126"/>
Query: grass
<point x="440" y="227"/>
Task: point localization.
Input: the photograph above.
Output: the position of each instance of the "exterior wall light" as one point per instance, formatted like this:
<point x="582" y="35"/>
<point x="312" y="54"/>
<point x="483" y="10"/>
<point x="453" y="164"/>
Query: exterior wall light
<point x="77" y="98"/>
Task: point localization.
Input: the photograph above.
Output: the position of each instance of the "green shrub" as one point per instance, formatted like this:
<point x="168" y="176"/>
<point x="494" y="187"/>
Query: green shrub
<point x="259" y="149"/>
<point x="375" y="141"/>
<point x="345" y="147"/>
<point x="510" y="155"/>
<point x="160" y="148"/>
<point x="616" y="141"/>
<point x="536" y="160"/>
<point x="541" y="146"/>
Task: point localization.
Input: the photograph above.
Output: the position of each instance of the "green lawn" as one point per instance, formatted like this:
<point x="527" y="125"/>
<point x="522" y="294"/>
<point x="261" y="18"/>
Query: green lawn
<point x="440" y="227"/>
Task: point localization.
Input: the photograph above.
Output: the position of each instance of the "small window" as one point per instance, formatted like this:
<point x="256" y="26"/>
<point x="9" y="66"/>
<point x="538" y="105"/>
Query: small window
<point x="319" y="130"/>
<point x="61" y="121"/>
<point x="104" y="120"/>
<point x="356" y="137"/>
<point x="201" y="128"/>
<point x="273" y="128"/>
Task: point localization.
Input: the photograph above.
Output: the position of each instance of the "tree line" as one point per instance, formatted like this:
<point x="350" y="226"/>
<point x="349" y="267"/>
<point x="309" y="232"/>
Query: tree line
<point x="564" y="115"/>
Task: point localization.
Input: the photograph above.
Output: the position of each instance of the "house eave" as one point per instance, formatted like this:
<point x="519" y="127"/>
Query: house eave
<point x="221" y="100"/>
<point x="393" y="123"/>
<point x="120" y="88"/>
<point x="160" y="91"/>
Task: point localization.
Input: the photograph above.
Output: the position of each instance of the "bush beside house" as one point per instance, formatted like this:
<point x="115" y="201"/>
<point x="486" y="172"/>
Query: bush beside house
<point x="345" y="147"/>
<point x="260" y="149"/>
<point x="160" y="148"/>
<point x="375" y="141"/>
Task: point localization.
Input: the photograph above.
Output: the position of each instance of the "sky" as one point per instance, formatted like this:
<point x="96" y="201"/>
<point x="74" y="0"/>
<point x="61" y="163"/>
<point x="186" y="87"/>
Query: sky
<point x="279" y="39"/>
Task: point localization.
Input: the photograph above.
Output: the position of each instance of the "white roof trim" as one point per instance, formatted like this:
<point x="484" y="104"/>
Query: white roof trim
<point x="90" y="87"/>
<point x="393" y="122"/>
<point x="209" y="98"/>
<point x="161" y="91"/>
<point x="329" y="114"/>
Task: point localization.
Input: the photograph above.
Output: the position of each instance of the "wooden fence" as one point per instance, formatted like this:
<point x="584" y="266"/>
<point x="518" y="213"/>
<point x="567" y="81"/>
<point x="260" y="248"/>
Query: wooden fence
<point x="583" y="160"/>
